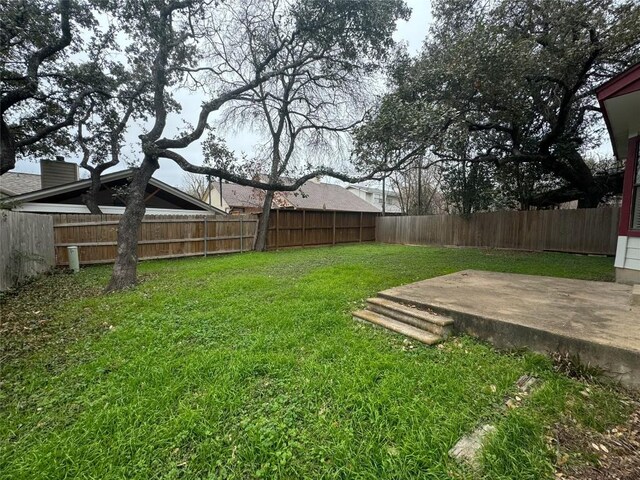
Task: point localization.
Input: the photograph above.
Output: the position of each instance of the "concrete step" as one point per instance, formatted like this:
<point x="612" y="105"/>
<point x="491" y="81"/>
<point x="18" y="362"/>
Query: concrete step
<point x="423" y="319"/>
<point x="399" y="327"/>
<point x="418" y="305"/>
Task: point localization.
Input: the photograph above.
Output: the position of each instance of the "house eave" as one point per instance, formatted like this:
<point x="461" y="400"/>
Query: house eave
<point x="86" y="183"/>
<point x="53" y="208"/>
<point x="617" y="85"/>
<point x="619" y="99"/>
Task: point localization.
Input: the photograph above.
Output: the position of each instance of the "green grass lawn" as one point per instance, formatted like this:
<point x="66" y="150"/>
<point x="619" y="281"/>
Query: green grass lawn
<point x="250" y="366"/>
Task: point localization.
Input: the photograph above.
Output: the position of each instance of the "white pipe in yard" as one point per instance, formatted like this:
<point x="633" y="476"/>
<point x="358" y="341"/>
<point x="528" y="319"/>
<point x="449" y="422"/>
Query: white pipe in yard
<point x="74" y="260"/>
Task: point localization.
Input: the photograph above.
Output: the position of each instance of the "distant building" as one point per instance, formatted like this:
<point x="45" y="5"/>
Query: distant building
<point x="313" y="195"/>
<point x="375" y="197"/>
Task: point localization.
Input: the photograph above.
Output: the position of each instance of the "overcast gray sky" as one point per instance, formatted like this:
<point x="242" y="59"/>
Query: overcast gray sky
<point x="412" y="32"/>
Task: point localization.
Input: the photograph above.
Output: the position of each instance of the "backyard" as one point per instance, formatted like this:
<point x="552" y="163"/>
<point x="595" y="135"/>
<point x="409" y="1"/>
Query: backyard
<point x="250" y="366"/>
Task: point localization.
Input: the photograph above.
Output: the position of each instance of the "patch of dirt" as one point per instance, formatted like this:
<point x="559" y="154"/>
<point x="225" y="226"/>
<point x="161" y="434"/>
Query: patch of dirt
<point x="585" y="454"/>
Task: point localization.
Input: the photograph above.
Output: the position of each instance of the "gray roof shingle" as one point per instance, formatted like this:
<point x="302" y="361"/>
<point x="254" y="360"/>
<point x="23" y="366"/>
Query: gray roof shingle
<point x="12" y="183"/>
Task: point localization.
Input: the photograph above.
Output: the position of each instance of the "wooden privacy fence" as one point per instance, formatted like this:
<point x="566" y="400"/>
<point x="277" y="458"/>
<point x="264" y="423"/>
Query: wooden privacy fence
<point x="301" y="228"/>
<point x="591" y="230"/>
<point x="169" y="236"/>
<point x="161" y="236"/>
<point x="26" y="246"/>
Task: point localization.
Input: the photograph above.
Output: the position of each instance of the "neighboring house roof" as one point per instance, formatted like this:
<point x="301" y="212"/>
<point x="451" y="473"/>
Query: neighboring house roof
<point x="12" y="183"/>
<point x="66" y="191"/>
<point x="311" y="196"/>
<point x="240" y="196"/>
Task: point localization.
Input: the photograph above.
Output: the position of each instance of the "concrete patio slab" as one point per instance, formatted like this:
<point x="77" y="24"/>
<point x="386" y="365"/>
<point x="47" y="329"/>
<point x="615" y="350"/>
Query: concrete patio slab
<point x="635" y="295"/>
<point x="593" y="320"/>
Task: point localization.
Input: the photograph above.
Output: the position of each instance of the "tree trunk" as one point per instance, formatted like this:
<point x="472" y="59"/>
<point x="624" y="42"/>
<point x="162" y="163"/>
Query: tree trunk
<point x="263" y="223"/>
<point x="589" y="201"/>
<point x="90" y="198"/>
<point x="125" y="269"/>
<point x="91" y="204"/>
<point x="384" y="197"/>
<point x="7" y="149"/>
<point x="420" y="188"/>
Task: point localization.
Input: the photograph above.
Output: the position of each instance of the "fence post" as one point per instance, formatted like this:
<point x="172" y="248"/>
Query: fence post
<point x="255" y="234"/>
<point x="277" y="228"/>
<point x="360" y="240"/>
<point x="303" y="227"/>
<point x="205" y="236"/>
<point x="241" y="233"/>
<point x="334" y="227"/>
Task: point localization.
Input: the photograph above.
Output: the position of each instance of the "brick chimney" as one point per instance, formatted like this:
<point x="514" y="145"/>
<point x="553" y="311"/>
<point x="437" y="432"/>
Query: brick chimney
<point x="57" y="172"/>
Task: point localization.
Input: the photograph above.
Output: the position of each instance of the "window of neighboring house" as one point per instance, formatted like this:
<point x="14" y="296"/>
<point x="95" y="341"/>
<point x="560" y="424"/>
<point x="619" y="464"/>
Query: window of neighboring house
<point x="635" y="214"/>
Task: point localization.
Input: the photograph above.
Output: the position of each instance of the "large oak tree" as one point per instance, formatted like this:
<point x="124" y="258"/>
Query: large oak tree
<point x="514" y="80"/>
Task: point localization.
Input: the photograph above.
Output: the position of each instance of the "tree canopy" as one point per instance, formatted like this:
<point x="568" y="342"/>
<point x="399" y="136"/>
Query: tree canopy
<point x="52" y="64"/>
<point x="511" y="83"/>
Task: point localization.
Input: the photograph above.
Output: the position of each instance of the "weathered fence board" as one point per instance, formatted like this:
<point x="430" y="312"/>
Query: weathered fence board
<point x="26" y="246"/>
<point x="591" y="230"/>
<point x="301" y="228"/>
<point x="160" y="236"/>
